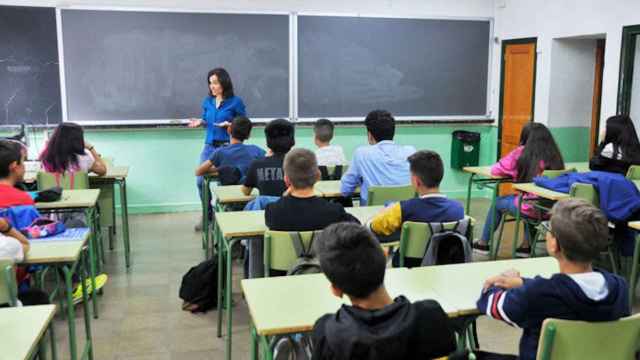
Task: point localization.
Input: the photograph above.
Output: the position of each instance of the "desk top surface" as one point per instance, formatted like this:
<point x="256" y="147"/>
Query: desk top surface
<point x="23" y="328"/>
<point x="85" y="198"/>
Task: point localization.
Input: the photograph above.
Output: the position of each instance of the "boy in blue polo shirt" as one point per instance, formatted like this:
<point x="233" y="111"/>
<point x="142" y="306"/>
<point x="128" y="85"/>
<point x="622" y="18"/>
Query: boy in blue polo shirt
<point x="578" y="232"/>
<point x="427" y="171"/>
<point x="235" y="155"/>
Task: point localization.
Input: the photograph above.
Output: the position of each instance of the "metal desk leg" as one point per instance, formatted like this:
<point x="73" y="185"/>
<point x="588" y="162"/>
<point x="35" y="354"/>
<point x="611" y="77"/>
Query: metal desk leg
<point x="468" y="206"/>
<point x="516" y="236"/>
<point x="68" y="273"/>
<point x="493" y="249"/>
<point x="205" y="212"/>
<point x="220" y="280"/>
<point x="228" y="294"/>
<point x="93" y="262"/>
<point x="125" y="221"/>
<point x="87" y="317"/>
<point x="253" y="351"/>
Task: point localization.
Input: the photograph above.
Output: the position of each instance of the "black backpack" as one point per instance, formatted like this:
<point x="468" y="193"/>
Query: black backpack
<point x="199" y="287"/>
<point x="448" y="246"/>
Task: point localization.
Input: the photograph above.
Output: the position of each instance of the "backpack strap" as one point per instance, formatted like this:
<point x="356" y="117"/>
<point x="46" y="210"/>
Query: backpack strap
<point x="337" y="172"/>
<point x="298" y="244"/>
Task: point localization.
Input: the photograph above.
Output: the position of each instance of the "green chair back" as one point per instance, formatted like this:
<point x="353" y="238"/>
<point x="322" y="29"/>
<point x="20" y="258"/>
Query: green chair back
<point x="573" y="340"/>
<point x="279" y="252"/>
<point x="552" y="174"/>
<point x="8" y="287"/>
<point x="634" y="172"/>
<point x="415" y="236"/>
<point x="586" y="192"/>
<point x="380" y="195"/>
<point x="79" y="180"/>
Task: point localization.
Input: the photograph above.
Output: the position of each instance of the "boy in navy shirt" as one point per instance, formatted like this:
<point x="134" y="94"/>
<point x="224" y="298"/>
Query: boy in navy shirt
<point x="235" y="155"/>
<point x="577" y="233"/>
<point x="427" y="171"/>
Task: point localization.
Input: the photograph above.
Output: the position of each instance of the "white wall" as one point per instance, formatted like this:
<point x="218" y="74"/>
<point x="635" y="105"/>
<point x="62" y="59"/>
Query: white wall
<point x="549" y="19"/>
<point x="571" y="85"/>
<point x="464" y="8"/>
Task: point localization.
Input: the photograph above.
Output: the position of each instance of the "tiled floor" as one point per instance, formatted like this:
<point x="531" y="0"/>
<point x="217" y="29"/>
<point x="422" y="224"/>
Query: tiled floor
<point x="140" y="314"/>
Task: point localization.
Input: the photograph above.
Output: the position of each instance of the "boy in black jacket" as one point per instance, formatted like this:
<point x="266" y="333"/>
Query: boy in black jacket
<point x="375" y="326"/>
<point x="578" y="232"/>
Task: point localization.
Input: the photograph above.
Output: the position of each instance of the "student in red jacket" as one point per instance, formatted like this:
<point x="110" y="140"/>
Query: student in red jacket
<point x="12" y="157"/>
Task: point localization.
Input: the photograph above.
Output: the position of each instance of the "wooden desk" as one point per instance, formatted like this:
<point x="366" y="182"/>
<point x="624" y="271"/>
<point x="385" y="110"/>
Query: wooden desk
<point x="470" y="277"/>
<point x="539" y="191"/>
<point x="72" y="199"/>
<point x="308" y="296"/>
<point x="231" y="227"/>
<point x="67" y="256"/>
<point x="115" y="175"/>
<point x="23" y="331"/>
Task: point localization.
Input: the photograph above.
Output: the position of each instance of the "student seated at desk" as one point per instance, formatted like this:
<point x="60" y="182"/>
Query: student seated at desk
<point x="537" y="152"/>
<point x="577" y="234"/>
<point x="266" y="174"/>
<point x="12" y="171"/>
<point x="620" y="148"/>
<point x="300" y="209"/>
<point x="68" y="152"/>
<point x="327" y="154"/>
<point x="427" y="171"/>
<point x="235" y="155"/>
<point x="374" y="326"/>
<point x="381" y="163"/>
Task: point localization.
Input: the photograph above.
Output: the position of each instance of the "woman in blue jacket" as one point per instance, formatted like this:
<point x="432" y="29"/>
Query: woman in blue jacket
<point x="218" y="109"/>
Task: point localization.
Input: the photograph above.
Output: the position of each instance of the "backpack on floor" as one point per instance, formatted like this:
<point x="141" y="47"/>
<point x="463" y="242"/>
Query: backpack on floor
<point x="448" y="246"/>
<point x="199" y="288"/>
<point x="306" y="263"/>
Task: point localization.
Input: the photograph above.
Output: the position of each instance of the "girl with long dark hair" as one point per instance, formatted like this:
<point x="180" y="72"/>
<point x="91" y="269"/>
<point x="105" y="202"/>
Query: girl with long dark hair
<point x="537" y="152"/>
<point x="67" y="151"/>
<point x="620" y="148"/>
<point x="219" y="107"/>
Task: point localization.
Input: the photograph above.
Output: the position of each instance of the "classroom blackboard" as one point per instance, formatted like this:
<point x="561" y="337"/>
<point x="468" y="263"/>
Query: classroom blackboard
<point x="133" y="65"/>
<point x="29" y="72"/>
<point x="411" y="67"/>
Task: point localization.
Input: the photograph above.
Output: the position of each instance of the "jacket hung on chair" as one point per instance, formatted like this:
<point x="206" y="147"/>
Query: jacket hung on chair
<point x="619" y="197"/>
<point x="401" y="330"/>
<point x="594" y="296"/>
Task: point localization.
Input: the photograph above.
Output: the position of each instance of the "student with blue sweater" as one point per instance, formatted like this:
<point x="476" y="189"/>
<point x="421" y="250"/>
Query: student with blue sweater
<point x="235" y="155"/>
<point x="578" y="232"/>
<point x="427" y="171"/>
<point x="381" y="163"/>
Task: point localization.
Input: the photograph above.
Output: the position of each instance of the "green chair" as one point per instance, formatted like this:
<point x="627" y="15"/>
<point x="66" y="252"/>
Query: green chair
<point x="8" y="286"/>
<point x="415" y="236"/>
<point x="380" y="195"/>
<point x="531" y="222"/>
<point x="77" y="181"/>
<point x="634" y="172"/>
<point x="578" y="340"/>
<point x="279" y="251"/>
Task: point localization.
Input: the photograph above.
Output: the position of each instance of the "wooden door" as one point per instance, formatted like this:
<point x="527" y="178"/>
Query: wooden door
<point x="597" y="97"/>
<point x="518" y="89"/>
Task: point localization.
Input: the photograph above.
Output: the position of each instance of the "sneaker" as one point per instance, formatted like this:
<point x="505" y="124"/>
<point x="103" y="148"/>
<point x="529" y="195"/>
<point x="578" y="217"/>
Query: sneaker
<point x="480" y="248"/>
<point x="101" y="280"/>
<point x="523" y="252"/>
<point x="198" y="226"/>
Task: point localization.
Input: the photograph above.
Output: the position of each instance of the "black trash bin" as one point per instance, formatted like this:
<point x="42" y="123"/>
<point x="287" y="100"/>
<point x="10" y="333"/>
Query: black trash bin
<point x="465" y="149"/>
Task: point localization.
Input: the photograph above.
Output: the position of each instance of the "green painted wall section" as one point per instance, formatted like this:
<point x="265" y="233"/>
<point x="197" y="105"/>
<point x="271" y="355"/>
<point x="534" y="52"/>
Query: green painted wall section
<point x="162" y="161"/>
<point x="573" y="142"/>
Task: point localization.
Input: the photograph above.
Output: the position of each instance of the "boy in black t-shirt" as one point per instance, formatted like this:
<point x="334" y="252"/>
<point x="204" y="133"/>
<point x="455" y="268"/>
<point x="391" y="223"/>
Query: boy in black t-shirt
<point x="300" y="209"/>
<point x="374" y="326"/>
<point x="266" y="174"/>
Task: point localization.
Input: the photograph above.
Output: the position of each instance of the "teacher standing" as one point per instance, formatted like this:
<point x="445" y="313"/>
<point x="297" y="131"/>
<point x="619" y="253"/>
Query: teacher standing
<point x="218" y="110"/>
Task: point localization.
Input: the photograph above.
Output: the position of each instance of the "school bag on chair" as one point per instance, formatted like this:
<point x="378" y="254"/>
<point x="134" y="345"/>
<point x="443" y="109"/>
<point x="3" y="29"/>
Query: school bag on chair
<point x="297" y="346"/>
<point x="448" y="246"/>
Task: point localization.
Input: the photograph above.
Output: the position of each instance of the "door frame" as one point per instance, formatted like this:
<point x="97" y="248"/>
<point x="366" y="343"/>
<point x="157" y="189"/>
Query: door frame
<point x="596" y="103"/>
<point x="627" y="57"/>
<point x="505" y="43"/>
